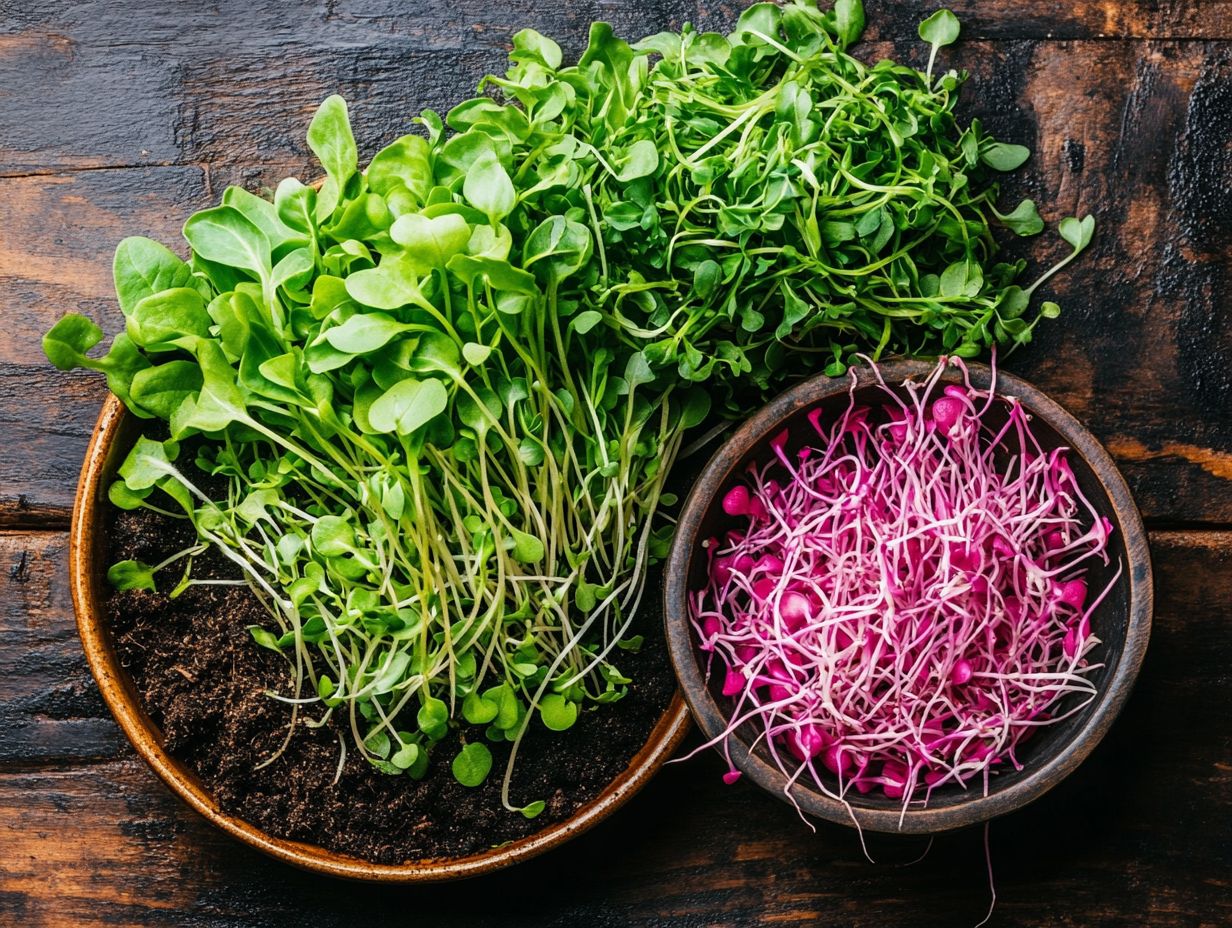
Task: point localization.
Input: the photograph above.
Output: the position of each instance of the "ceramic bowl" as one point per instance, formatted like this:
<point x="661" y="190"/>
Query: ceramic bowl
<point x="113" y="437"/>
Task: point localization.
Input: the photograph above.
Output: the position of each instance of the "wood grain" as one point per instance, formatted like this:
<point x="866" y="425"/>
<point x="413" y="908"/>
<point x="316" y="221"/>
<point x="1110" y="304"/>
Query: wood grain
<point x="119" y="117"/>
<point x="232" y="82"/>
<point x="91" y="837"/>
<point x="50" y="709"/>
<point x="1062" y="19"/>
<point x="57" y="235"/>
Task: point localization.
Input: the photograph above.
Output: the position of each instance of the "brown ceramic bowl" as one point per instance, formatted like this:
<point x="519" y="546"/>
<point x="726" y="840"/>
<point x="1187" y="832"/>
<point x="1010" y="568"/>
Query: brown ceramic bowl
<point x="113" y="436"/>
<point x="1123" y="620"/>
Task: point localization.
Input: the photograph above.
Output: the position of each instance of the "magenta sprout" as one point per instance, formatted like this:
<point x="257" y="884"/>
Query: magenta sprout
<point x="903" y="603"/>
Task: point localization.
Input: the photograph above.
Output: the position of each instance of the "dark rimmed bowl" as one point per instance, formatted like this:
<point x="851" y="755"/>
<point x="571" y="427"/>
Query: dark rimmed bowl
<point x="113" y="436"/>
<point x="1122" y="621"/>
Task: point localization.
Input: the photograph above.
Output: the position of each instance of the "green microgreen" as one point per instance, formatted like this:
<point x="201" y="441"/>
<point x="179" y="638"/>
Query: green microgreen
<point x="444" y="394"/>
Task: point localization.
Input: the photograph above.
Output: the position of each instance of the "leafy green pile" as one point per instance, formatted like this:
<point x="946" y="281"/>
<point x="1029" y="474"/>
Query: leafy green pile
<point x="443" y="393"/>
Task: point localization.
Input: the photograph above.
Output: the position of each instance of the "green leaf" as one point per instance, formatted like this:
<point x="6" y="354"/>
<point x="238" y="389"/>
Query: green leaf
<point x="161" y="389"/>
<point x="583" y="322"/>
<point x="557" y="712"/>
<point x="437" y="353"/>
<point x="282" y="371"/>
<point x="1001" y="156"/>
<point x="226" y="236"/>
<point x="1050" y="310"/>
<point x="508" y="710"/>
<point x="330" y="138"/>
<point x="404" y="162"/>
<point x="584" y="597"/>
<point x="332" y="536"/>
<point x="433" y="718"/>
<point x="263" y="214"/>
<point x="265" y="639"/>
<point x="530" y="451"/>
<point x="1078" y="232"/>
<point x="378" y="743"/>
<point x="293" y="270"/>
<point x="760" y="17"/>
<point x="406" y="756"/>
<point x="637" y="370"/>
<point x="221" y="401"/>
<point x="609" y="58"/>
<point x="696" y="408"/>
<point x="526" y="549"/>
<point x="477" y="710"/>
<point x="121" y="364"/>
<point x="365" y="332"/>
<point x="67" y="342"/>
<point x="962" y="278"/>
<point x="940" y="29"/>
<point x="490" y="241"/>
<point x="472" y="765"/>
<point x="392" y="672"/>
<point x="529" y="45"/>
<point x="430" y="242"/>
<point x="131" y="575"/>
<point x="532" y="810"/>
<point x="143" y="267"/>
<point x="1013" y="303"/>
<point x="392" y="284"/>
<point x="475" y="354"/>
<point x="557" y="248"/>
<point x="168" y="315"/>
<point x="146" y="464"/>
<point x="296" y="206"/>
<point x="122" y="497"/>
<point x="1024" y="220"/>
<point x="706" y="277"/>
<point x="408" y="405"/>
<point x="499" y="274"/>
<point x="641" y="160"/>
<point x="489" y="189"/>
<point x="633" y="643"/>
<point x="849" y="21"/>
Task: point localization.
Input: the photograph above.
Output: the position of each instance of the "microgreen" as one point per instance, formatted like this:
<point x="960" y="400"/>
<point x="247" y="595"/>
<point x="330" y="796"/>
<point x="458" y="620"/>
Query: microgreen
<point x="472" y="764"/>
<point x="902" y="604"/>
<point x="444" y="393"/>
<point x="939" y="30"/>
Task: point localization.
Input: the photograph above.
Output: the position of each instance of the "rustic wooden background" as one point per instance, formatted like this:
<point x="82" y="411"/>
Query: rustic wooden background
<point x="119" y="117"/>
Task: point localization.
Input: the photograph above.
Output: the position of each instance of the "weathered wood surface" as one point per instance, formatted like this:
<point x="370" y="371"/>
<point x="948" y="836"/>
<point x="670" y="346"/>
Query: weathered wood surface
<point x="1134" y="131"/>
<point x="119" y="117"/>
<point x="1137" y="836"/>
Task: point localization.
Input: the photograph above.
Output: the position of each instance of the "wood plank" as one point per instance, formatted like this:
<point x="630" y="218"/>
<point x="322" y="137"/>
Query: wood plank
<point x="1137" y="834"/>
<point x="235" y="82"/>
<point x="1061" y="19"/>
<point x="1142" y="354"/>
<point x="1127" y="130"/>
<point x="57" y="235"/>
<point x="50" y="709"/>
<point x="223" y="82"/>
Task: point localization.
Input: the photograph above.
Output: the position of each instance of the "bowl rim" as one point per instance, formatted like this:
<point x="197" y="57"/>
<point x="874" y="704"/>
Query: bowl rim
<point x="115" y="687"/>
<point x="1111" y="698"/>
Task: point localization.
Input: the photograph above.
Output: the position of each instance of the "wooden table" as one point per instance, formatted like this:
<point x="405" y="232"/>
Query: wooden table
<point x="119" y="118"/>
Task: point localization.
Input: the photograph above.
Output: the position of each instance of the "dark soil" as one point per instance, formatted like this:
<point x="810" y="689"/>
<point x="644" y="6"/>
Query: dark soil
<point x="202" y="680"/>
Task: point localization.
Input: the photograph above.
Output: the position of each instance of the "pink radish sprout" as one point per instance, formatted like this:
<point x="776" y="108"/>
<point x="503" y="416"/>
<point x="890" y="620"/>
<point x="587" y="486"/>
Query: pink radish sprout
<point x="901" y="604"/>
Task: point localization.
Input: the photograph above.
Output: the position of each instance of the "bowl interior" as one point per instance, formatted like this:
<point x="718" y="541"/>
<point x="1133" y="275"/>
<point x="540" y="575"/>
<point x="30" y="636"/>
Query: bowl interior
<point x="750" y="447"/>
